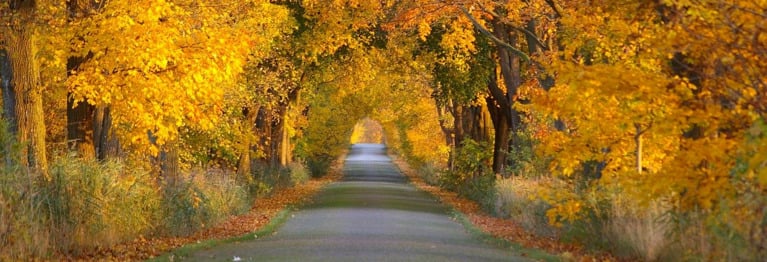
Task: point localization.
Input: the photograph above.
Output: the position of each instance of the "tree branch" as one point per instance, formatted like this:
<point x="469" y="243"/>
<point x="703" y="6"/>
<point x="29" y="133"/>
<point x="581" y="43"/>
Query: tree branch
<point x="521" y="29"/>
<point x="555" y="7"/>
<point x="493" y="37"/>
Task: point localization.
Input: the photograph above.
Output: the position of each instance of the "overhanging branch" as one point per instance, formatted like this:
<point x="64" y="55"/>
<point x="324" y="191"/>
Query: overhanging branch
<point x="495" y="39"/>
<point x="509" y="24"/>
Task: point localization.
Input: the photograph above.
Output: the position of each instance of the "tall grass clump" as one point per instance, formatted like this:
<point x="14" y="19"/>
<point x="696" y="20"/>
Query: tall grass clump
<point x="430" y="173"/>
<point x="197" y="200"/>
<point x="638" y="232"/>
<point x="24" y="233"/>
<point x="94" y="204"/>
<point x="517" y="198"/>
<point x="607" y="220"/>
<point x="611" y="220"/>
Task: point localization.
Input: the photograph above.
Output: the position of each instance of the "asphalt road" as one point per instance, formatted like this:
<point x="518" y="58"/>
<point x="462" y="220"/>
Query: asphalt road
<point x="373" y="214"/>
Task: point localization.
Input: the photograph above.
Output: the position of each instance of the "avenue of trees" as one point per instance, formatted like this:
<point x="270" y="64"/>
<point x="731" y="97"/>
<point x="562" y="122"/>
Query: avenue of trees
<point x="604" y="105"/>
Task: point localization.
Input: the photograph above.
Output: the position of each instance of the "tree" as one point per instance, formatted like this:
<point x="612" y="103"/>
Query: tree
<point x="22" y="91"/>
<point x="158" y="66"/>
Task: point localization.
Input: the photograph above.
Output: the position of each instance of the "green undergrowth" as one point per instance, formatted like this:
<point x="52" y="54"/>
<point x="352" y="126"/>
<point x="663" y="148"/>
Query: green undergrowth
<point x="268" y="229"/>
<point x="533" y="253"/>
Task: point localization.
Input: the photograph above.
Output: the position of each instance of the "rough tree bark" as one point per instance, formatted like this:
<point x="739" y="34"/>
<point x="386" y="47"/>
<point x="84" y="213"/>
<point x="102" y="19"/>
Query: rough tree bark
<point x="25" y="91"/>
<point x="106" y="145"/>
<point x="169" y="162"/>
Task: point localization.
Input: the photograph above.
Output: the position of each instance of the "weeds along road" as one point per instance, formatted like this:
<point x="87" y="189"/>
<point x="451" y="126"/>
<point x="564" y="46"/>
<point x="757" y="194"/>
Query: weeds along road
<point x="373" y="214"/>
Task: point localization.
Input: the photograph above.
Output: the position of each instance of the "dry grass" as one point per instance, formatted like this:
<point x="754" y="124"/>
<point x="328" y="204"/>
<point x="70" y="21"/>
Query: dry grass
<point x="639" y="233"/>
<point x="517" y="199"/>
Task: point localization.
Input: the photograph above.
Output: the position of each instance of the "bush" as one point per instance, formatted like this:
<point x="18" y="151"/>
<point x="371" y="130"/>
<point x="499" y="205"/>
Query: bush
<point x="267" y="178"/>
<point x="197" y="200"/>
<point x="624" y="227"/>
<point x="429" y="173"/>
<point x="298" y="173"/>
<point x="319" y="165"/>
<point x="638" y="233"/>
<point x="471" y="176"/>
<point x="736" y="232"/>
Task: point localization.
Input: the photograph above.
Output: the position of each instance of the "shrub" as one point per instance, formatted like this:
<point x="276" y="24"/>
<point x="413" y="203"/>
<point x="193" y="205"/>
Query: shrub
<point x="298" y="173"/>
<point x="616" y="223"/>
<point x="197" y="200"/>
<point x="471" y="176"/>
<point x="267" y="178"/>
<point x="429" y="173"/>
<point x="319" y="165"/>
<point x="735" y="232"/>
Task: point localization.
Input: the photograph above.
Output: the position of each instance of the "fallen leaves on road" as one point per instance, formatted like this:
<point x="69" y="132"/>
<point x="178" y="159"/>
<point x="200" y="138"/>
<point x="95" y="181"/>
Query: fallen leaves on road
<point x="498" y="227"/>
<point x="259" y="215"/>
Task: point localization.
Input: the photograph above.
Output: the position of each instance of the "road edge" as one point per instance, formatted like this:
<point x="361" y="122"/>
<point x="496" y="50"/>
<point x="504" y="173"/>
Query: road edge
<point x="275" y="222"/>
<point x="474" y="230"/>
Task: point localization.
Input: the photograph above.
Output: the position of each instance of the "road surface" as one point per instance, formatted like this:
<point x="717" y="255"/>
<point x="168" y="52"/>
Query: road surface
<point x="373" y="214"/>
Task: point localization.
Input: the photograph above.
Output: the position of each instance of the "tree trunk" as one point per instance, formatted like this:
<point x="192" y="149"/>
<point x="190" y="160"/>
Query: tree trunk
<point x="275" y="139"/>
<point x="28" y="122"/>
<point x="448" y="132"/>
<point x="9" y="99"/>
<point x="9" y="103"/>
<point x="285" y="157"/>
<point x="638" y="152"/>
<point x="169" y="162"/>
<point x="499" y="108"/>
<point x="263" y="131"/>
<point x="458" y="130"/>
<point x="80" y="135"/>
<point x="512" y="79"/>
<point x="244" y="163"/>
<point x="501" y="137"/>
<point x="80" y="116"/>
<point x="105" y="143"/>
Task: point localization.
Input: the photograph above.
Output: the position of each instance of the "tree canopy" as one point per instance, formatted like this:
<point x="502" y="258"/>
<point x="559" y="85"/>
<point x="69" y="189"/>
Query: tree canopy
<point x="656" y="100"/>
